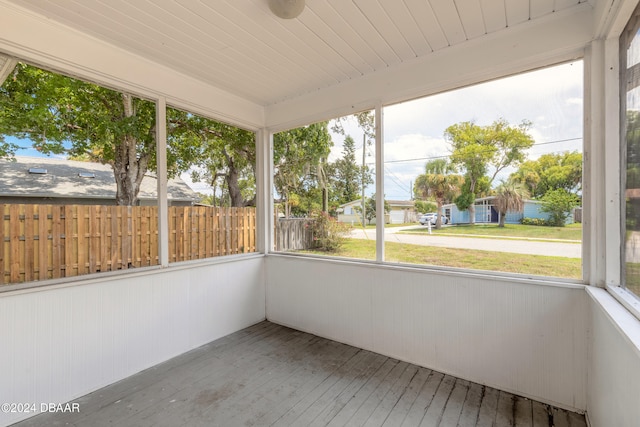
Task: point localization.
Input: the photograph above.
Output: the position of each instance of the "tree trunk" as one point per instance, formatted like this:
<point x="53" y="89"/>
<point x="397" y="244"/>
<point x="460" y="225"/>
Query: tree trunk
<point x="325" y="200"/>
<point x="472" y="207"/>
<point x="128" y="172"/>
<point x="128" y="169"/>
<point x="438" y="214"/>
<point x="232" y="178"/>
<point x="234" y="188"/>
<point x="502" y="217"/>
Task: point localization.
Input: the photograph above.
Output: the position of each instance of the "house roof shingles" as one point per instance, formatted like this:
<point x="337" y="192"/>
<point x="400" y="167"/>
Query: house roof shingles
<point x="62" y="180"/>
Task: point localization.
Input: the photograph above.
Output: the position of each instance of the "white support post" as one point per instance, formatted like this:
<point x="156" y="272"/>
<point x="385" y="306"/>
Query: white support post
<point x="593" y="162"/>
<point x="264" y="201"/>
<point x="379" y="183"/>
<point x="161" y="173"/>
<point x="612" y="198"/>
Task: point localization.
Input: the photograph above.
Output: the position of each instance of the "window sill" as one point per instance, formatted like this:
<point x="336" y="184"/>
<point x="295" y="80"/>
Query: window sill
<point x="46" y="285"/>
<point x="626" y="298"/>
<point x="447" y="271"/>
<point x="618" y="313"/>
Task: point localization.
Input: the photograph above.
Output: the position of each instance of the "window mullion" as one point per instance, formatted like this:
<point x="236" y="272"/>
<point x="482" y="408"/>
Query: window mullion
<point x="163" y="204"/>
<point x="380" y="214"/>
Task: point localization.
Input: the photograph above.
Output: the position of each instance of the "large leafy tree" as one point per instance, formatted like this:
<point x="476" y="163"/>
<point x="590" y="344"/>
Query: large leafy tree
<point x="482" y="152"/>
<point x="224" y="156"/>
<point x="298" y="157"/>
<point x="510" y="197"/>
<point x="88" y="122"/>
<point x="551" y="171"/>
<point x="304" y="180"/>
<point x="348" y="175"/>
<point x="365" y="121"/>
<point x="111" y="127"/>
<point x="440" y="183"/>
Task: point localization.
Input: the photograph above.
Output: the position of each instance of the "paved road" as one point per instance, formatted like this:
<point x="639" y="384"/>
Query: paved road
<point x="532" y="247"/>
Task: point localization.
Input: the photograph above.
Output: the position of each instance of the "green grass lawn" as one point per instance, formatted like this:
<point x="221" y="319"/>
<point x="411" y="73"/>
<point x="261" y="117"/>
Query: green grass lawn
<point x="538" y="265"/>
<point x="570" y="232"/>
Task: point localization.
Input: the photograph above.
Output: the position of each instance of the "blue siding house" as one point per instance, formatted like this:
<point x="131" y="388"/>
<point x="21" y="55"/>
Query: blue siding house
<point x="487" y="214"/>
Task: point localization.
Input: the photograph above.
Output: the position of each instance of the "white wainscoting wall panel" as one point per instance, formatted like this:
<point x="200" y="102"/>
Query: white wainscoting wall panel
<point x="614" y="363"/>
<point x="59" y="344"/>
<point x="519" y="336"/>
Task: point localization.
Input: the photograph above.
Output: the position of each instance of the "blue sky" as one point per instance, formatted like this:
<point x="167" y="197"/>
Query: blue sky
<point x="550" y="98"/>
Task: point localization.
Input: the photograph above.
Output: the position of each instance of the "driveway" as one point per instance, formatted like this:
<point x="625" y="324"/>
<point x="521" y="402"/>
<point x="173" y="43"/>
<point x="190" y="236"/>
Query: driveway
<point x="529" y="246"/>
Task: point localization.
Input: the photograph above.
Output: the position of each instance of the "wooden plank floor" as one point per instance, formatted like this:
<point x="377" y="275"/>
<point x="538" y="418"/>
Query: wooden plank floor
<point x="269" y="375"/>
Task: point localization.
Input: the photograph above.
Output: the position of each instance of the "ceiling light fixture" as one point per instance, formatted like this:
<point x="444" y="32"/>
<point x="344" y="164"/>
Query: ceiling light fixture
<point x="286" y="9"/>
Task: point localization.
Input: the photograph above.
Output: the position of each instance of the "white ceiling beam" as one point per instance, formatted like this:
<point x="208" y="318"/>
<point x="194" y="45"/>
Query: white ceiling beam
<point x="556" y="38"/>
<point x="610" y="17"/>
<point x="7" y="65"/>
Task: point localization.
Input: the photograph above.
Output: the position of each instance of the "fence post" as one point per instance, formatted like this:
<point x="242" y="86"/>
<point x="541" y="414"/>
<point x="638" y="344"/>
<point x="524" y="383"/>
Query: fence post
<point x="43" y="242"/>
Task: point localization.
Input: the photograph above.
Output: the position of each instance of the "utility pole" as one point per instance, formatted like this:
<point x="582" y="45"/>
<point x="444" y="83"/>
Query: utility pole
<point x="364" y="146"/>
<point x="322" y="178"/>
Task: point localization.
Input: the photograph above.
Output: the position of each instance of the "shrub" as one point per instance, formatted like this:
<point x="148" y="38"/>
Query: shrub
<point x="534" y="221"/>
<point x="328" y="233"/>
<point x="559" y="204"/>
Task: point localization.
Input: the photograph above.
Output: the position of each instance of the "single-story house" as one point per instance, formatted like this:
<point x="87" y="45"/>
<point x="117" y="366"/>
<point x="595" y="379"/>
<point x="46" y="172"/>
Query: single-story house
<point x="486" y="213"/>
<point x="401" y="212"/>
<point x="52" y="180"/>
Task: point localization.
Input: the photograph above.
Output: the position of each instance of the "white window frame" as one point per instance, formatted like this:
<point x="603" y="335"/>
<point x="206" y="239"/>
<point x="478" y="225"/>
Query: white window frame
<point x="606" y="56"/>
<point x="264" y="223"/>
<point x="378" y="107"/>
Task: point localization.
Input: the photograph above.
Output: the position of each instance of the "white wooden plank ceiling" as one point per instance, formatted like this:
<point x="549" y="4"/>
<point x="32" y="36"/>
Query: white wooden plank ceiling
<point x="239" y="46"/>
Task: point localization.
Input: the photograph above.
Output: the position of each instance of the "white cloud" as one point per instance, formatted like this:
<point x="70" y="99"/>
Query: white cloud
<point x="413" y="146"/>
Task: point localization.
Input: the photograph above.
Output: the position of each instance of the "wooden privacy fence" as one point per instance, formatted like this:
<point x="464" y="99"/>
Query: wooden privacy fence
<point x="293" y="234"/>
<point x="40" y="242"/>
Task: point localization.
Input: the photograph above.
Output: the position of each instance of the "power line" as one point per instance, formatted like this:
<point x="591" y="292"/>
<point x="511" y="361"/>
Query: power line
<point x="396" y="179"/>
<point x="449" y="155"/>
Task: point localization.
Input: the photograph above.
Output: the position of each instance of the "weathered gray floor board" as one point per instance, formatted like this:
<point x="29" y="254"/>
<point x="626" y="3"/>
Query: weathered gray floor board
<point x="270" y="375"/>
<point x="433" y="416"/>
<point x="523" y="412"/>
<point x="371" y="403"/>
<point x="471" y="406"/>
<point x="348" y="410"/>
<point x="391" y="398"/>
<point x="453" y="408"/>
<point x="504" y="414"/>
<point x="399" y="412"/>
<point x="348" y="394"/>
<point x="540" y="413"/>
<point x="424" y="399"/>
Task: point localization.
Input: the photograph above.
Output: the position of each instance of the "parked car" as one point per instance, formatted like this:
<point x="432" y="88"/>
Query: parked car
<point x="432" y="217"/>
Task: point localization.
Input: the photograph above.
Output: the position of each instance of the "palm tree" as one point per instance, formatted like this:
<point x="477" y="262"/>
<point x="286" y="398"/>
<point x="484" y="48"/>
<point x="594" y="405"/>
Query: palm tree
<point x="436" y="182"/>
<point x="510" y="197"/>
